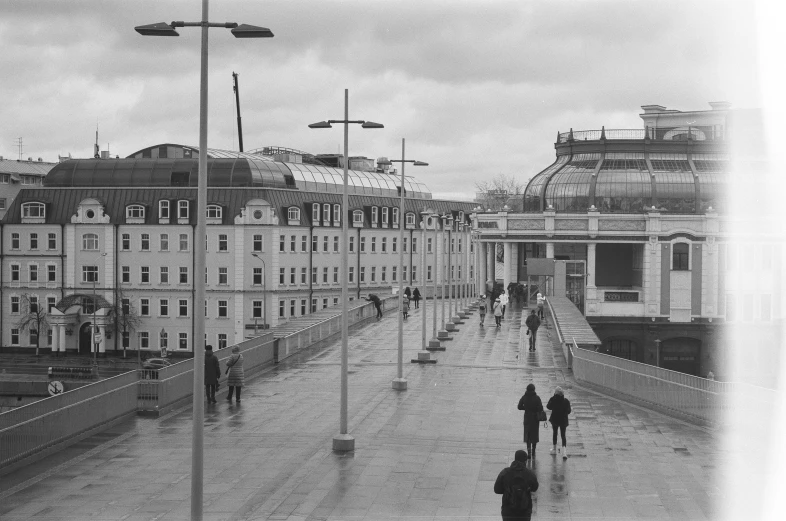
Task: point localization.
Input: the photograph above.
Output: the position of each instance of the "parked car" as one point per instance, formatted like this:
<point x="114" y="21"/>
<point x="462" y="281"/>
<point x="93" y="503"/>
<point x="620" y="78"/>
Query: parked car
<point x="155" y="363"/>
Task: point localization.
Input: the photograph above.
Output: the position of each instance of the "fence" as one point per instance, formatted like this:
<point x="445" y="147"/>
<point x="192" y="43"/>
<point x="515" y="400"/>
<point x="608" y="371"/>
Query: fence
<point x="36" y="429"/>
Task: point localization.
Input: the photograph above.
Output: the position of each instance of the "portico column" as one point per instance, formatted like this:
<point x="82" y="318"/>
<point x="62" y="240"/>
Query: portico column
<point x="62" y="337"/>
<point x="482" y="269"/>
<point x="491" y="265"/>
<point x="506" y="269"/>
<point x="549" y="250"/>
<point x="55" y="338"/>
<point x="591" y="265"/>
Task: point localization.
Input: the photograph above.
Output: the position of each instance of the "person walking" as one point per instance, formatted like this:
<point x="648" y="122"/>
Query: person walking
<point x="405" y="306"/>
<point x="482" y="309"/>
<point x="516" y="484"/>
<point x="416" y="297"/>
<point x="541" y="300"/>
<point x="560" y="408"/>
<point x="377" y="304"/>
<point x="532" y="406"/>
<point x="532" y="323"/>
<point x="498" y="312"/>
<point x="408" y="292"/>
<point x="503" y="299"/>
<point x="212" y="374"/>
<point x="235" y="372"/>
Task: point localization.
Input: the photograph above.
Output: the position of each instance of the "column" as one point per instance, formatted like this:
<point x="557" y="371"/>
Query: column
<point x="592" y="291"/>
<point x="549" y="250"/>
<point x="491" y="263"/>
<point x="62" y="337"/>
<point x="55" y="338"/>
<point x="482" y="271"/>
<point x="506" y="266"/>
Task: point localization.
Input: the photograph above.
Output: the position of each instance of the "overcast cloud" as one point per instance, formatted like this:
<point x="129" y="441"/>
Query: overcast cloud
<point x="477" y="88"/>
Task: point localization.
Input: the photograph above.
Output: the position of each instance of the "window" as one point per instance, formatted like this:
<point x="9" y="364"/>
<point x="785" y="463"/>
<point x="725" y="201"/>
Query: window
<point x="51" y="273"/>
<point x="163" y="275"/>
<point x="292" y="275"/>
<point x="362" y="274"/>
<point x="281" y="243"/>
<point x="393" y="273"/>
<point x="766" y="308"/>
<point x="281" y="275"/>
<point x="385" y="215"/>
<point x="325" y="243"/>
<point x="182" y="340"/>
<point x="362" y="244"/>
<point x="163" y="307"/>
<point x="394" y="245"/>
<point x="325" y="275"/>
<point x="384" y="274"/>
<point x="33" y="301"/>
<point x="357" y="217"/>
<point x="292" y="240"/>
<point x="292" y="304"/>
<point x="324" y="303"/>
<point x="384" y="244"/>
<point x="374" y="215"/>
<point x="52" y="244"/>
<point x="125" y="242"/>
<point x="135" y="211"/>
<point x="257" y="277"/>
<point x="459" y="245"/>
<point x="15" y="337"/>
<point x="452" y="244"/>
<point x="50" y="303"/>
<point x="15" y="270"/>
<point x="404" y="273"/>
<point x="373" y="245"/>
<point x="222" y="340"/>
<point x="144" y="275"/>
<point x="335" y="274"/>
<point x="428" y="245"/>
<point x="163" y="209"/>
<point x="326" y="213"/>
<point x="315" y="212"/>
<point x="351" y="274"/>
<point x="144" y="307"/>
<point x="293" y="213"/>
<point x="313" y="305"/>
<point x="90" y="242"/>
<point x="304" y="243"/>
<point x="33" y="210"/>
<point x="282" y="308"/>
<point x="145" y="242"/>
<point x="182" y="305"/>
<point x="680" y="255"/>
<point x="256" y="309"/>
<point x="428" y="272"/>
<point x="313" y="275"/>
<point x="395" y="216"/>
<point x="126" y="339"/>
<point x="182" y="209"/>
<point x="125" y="274"/>
<point x="302" y="306"/>
<point x="89" y="273"/>
<point x="125" y="306"/>
<point x="404" y="245"/>
<point x="351" y="244"/>
<point x="414" y="244"/>
<point x="33" y="241"/>
<point x="164" y="242"/>
<point x="315" y="244"/>
<point x="144" y="340"/>
<point x="336" y="214"/>
<point x="15" y="305"/>
<point x="183" y="242"/>
<point x="223" y="243"/>
<point x="256" y="243"/>
<point x="373" y="273"/>
<point x="183" y="275"/>
<point x="214" y="211"/>
<point x="222" y="309"/>
<point x="223" y="276"/>
<point x="32" y="271"/>
<point x="415" y="273"/>
<point x="410" y="219"/>
<point x="335" y="243"/>
<point x="747" y="307"/>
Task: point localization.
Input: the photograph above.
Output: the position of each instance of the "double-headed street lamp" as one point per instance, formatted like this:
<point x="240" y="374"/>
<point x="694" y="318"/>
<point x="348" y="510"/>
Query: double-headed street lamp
<point x="239" y="31"/>
<point x="343" y="441"/>
<point x="400" y="383"/>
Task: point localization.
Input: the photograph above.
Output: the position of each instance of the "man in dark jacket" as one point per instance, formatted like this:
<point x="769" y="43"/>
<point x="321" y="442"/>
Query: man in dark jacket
<point x="515" y="483"/>
<point x="377" y="304"/>
<point x="533" y="323"/>
<point x="212" y="374"/>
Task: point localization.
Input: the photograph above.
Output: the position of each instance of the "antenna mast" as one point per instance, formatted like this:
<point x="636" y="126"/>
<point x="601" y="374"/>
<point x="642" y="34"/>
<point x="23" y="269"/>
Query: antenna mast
<point x="236" y="88"/>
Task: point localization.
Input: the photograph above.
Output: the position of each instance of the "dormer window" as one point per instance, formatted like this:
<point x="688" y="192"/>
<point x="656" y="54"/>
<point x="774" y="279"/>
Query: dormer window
<point x="293" y="215"/>
<point x="135" y="211"/>
<point x="357" y="217"/>
<point x="326" y="213"/>
<point x="336" y="215"/>
<point x="33" y="210"/>
<point x="214" y="211"/>
<point x="374" y="215"/>
<point x="385" y="212"/>
<point x="410" y="219"/>
<point x="395" y="216"/>
<point x="315" y="213"/>
<point x="163" y="209"/>
<point x="182" y="209"/>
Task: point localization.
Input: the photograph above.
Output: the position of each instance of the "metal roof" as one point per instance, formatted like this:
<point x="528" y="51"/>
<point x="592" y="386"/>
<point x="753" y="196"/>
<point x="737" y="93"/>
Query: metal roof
<point x="10" y="166"/>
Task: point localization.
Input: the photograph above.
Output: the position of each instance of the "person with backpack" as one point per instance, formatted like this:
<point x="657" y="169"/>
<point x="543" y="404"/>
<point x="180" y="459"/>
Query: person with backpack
<point x="532" y="406"/>
<point x="482" y="309"/>
<point x="498" y="312"/>
<point x="516" y="483"/>
<point x="560" y="408"/>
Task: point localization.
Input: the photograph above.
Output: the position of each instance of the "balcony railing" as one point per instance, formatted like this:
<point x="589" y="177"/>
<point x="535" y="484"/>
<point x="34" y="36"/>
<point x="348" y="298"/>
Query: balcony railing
<point x="686" y="133"/>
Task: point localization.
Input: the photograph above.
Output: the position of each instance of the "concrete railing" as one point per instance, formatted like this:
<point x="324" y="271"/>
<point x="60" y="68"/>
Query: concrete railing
<point x="34" y="430"/>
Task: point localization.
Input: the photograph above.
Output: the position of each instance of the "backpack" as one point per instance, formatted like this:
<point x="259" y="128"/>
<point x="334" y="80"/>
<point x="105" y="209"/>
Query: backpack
<point x="517" y="494"/>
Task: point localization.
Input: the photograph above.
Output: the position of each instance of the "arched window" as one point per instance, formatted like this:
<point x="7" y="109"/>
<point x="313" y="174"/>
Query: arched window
<point x="163" y="209"/>
<point x="374" y="215"/>
<point x="326" y="213"/>
<point x="214" y="211"/>
<point x="395" y="216"/>
<point x="90" y="241"/>
<point x="33" y="210"/>
<point x="135" y="211"/>
<point x="357" y="217"/>
<point x="410" y="219"/>
<point x="315" y="212"/>
<point x="680" y="256"/>
<point x="385" y="211"/>
<point x="336" y="214"/>
<point x="293" y="213"/>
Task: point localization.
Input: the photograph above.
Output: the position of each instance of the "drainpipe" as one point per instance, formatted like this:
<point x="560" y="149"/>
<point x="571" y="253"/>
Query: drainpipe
<point x="114" y="290"/>
<point x="310" y="274"/>
<point x="357" y="267"/>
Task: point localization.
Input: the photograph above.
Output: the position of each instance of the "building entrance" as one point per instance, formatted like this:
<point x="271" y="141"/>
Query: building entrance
<point x="86" y="338"/>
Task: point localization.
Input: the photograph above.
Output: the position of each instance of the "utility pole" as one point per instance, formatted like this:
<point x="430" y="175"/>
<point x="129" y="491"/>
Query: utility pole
<point x="236" y="88"/>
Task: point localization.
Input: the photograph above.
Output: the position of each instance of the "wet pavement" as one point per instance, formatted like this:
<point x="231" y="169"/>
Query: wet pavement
<point x="431" y="452"/>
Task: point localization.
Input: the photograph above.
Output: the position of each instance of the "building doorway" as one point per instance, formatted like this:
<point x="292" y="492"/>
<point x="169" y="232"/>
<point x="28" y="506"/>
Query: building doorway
<point x="86" y="338"/>
<point x="575" y="282"/>
<point x="681" y="354"/>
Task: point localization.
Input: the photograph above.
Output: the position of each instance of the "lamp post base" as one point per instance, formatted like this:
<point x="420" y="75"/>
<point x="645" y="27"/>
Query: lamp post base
<point x="343" y="443"/>
<point x="450" y="326"/>
<point x="435" y="344"/>
<point x="457" y="319"/>
<point x="400" y="384"/>
<point x="424" y="357"/>
<point x="443" y="334"/>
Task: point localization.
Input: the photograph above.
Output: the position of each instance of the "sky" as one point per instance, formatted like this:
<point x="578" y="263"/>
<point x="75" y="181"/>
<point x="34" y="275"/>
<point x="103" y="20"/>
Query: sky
<point x="477" y="88"/>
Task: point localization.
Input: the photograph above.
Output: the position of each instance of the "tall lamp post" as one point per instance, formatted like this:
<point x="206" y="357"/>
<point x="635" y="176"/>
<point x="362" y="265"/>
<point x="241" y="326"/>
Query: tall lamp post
<point x="343" y="441"/>
<point x="434" y="342"/>
<point x="400" y="383"/>
<point x="264" y="289"/>
<point x="197" y="437"/>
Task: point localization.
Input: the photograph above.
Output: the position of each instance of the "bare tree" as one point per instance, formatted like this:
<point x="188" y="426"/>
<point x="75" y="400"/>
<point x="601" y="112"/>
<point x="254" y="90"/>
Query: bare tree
<point x="34" y="317"/>
<point x="499" y="191"/>
<point x="124" y="317"/>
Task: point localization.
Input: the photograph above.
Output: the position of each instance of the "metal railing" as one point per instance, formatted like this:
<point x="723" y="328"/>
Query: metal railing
<point x="686" y="133"/>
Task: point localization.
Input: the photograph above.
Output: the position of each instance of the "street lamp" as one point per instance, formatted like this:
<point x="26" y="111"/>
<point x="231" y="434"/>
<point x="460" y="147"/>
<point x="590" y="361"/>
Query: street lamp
<point x="264" y="289"/>
<point x="400" y="383"/>
<point x="434" y="342"/>
<point x="239" y="31"/>
<point x="343" y="441"/>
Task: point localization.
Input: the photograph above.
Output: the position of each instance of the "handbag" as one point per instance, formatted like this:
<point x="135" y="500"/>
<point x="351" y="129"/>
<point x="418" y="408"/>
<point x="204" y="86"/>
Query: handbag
<point x="542" y="416"/>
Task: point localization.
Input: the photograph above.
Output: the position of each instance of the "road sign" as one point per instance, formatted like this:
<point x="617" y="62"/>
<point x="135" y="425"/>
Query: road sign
<point x="55" y="387"/>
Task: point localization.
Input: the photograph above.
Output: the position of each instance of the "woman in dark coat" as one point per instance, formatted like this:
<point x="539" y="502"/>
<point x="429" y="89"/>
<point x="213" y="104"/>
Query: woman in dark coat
<point x="416" y="297"/>
<point x="531" y="404"/>
<point x="235" y="372"/>
<point x="560" y="408"/>
<point x="408" y="292"/>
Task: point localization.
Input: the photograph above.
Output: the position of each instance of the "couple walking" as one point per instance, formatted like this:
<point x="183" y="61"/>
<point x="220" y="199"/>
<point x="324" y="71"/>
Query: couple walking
<point x="532" y="406"/>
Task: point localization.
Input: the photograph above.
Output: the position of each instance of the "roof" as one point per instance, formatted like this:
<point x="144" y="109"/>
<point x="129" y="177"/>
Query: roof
<point x="78" y="298"/>
<point x="15" y="166"/>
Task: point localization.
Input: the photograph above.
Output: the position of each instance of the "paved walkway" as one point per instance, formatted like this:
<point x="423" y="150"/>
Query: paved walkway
<point x="429" y="453"/>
